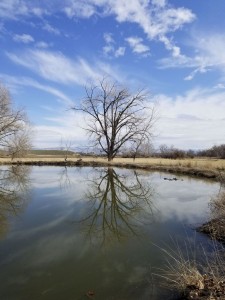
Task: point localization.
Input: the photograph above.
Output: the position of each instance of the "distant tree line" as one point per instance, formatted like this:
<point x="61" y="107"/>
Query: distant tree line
<point x="172" y="152"/>
<point x="215" y="151"/>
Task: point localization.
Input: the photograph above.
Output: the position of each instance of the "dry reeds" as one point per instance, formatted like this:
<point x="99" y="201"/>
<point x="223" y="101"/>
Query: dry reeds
<point x="194" y="278"/>
<point x="215" y="228"/>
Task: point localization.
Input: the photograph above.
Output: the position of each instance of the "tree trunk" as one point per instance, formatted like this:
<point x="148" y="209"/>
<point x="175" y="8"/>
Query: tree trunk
<point x="110" y="156"/>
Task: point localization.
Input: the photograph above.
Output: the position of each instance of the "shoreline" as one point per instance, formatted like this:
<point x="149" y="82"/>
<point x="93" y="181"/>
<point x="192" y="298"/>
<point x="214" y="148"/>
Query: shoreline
<point x="198" y="172"/>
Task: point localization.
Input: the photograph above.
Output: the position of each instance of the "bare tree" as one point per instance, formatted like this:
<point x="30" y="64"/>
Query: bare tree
<point x="116" y="117"/>
<point x="15" y="137"/>
<point x="66" y="148"/>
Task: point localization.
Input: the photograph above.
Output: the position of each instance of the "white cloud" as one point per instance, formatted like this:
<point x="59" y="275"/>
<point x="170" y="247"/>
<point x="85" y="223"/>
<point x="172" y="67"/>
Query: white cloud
<point x="193" y="120"/>
<point x="66" y="125"/>
<point x="137" y="46"/>
<point x="110" y="50"/>
<point x="120" y="51"/>
<point x="157" y="18"/>
<point x="54" y="66"/>
<point x="23" y="38"/>
<point x="79" y="9"/>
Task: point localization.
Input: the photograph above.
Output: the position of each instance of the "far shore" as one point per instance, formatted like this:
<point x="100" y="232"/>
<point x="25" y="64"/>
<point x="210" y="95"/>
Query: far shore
<point x="200" y="167"/>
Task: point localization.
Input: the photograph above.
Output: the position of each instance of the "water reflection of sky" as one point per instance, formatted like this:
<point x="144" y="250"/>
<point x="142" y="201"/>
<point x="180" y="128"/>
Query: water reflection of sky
<point x="48" y="253"/>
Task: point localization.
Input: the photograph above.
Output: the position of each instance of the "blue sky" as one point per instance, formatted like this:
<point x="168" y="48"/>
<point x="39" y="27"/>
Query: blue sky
<point x="50" y="49"/>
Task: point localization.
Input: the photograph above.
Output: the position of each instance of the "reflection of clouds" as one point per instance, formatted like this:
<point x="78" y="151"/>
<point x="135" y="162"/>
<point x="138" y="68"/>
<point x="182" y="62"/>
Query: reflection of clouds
<point x="43" y="251"/>
<point x="76" y="184"/>
<point x="184" y="201"/>
<point x="40" y="228"/>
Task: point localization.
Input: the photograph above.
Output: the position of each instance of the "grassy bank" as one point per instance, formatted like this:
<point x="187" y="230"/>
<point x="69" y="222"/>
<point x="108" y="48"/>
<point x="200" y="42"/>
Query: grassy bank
<point x="207" y="168"/>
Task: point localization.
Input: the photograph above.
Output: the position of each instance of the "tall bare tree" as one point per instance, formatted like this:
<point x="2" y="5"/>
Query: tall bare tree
<point x="15" y="135"/>
<point x="117" y="117"/>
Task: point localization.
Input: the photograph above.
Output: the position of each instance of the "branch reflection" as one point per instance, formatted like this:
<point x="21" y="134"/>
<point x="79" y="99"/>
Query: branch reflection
<point x="14" y="185"/>
<point x="118" y="205"/>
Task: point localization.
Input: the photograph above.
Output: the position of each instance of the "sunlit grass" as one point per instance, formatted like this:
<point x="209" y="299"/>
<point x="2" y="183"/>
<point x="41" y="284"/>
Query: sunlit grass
<point x="195" y="163"/>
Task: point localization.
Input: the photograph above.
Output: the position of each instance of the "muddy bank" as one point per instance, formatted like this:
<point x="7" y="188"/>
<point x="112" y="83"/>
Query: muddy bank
<point x="206" y="289"/>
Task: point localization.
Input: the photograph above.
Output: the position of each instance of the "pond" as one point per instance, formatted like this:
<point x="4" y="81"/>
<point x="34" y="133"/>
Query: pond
<point x="94" y="233"/>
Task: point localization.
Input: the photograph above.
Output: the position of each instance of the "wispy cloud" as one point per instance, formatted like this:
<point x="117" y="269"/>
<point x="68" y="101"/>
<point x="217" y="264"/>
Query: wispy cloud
<point x="13" y="9"/>
<point x="54" y="66"/>
<point x="25" y="81"/>
<point x="43" y="45"/>
<point x="137" y="45"/>
<point x="51" y="29"/>
<point x="209" y="55"/>
<point x="120" y="51"/>
<point x="23" y="38"/>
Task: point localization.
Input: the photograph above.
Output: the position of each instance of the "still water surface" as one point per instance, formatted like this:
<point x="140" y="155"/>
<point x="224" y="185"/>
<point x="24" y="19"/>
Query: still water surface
<point x="93" y="233"/>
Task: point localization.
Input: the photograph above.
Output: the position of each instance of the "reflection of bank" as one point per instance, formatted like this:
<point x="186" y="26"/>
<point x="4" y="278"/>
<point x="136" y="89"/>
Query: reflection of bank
<point x="14" y="185"/>
<point x="118" y="205"/>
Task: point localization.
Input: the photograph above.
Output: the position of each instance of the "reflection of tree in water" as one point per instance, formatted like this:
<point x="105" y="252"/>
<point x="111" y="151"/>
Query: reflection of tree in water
<point x="118" y="205"/>
<point x="14" y="183"/>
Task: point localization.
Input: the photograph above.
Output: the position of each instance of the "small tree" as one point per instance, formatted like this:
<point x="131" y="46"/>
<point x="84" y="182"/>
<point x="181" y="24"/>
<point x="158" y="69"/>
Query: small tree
<point x="116" y="117"/>
<point x="15" y="135"/>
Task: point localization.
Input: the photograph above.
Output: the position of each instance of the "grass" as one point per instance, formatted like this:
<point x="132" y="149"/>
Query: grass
<point x="205" y="278"/>
<point x="192" y="278"/>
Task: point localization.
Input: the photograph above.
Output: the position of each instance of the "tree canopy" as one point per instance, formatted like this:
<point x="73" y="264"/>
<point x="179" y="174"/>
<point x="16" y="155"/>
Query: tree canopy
<point x="117" y="117"/>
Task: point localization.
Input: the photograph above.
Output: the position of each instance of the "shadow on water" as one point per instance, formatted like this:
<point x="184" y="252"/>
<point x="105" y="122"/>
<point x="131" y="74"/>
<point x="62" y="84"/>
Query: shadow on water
<point x="117" y="206"/>
<point x="14" y="186"/>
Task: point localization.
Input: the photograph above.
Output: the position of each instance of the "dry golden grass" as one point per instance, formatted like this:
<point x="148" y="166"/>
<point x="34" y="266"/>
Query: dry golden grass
<point x="196" y="163"/>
